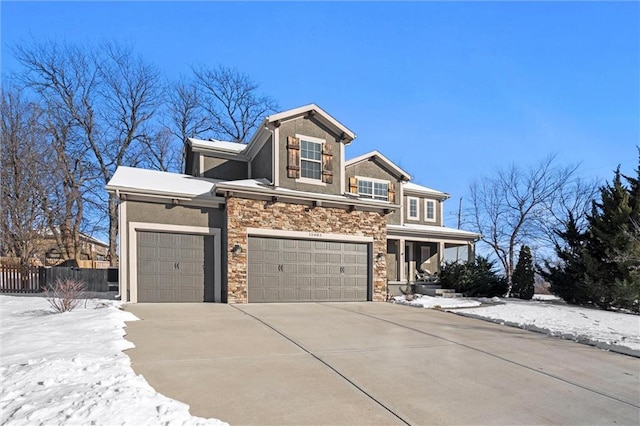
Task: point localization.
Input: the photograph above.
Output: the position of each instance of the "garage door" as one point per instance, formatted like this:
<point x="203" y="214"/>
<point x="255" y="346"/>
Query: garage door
<point x="288" y="270"/>
<point x="174" y="267"/>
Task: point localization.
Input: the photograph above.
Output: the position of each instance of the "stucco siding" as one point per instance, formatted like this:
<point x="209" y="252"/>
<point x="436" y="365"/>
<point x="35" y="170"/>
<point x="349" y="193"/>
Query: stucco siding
<point x="138" y="211"/>
<point x="421" y="210"/>
<point x="219" y="168"/>
<point x="375" y="170"/>
<point x="261" y="165"/>
<point x="309" y="127"/>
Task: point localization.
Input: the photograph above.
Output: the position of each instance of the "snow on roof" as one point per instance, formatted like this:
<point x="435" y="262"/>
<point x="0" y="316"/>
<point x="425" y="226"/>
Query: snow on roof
<point x="419" y="188"/>
<point x="384" y="159"/>
<point x="217" y="145"/>
<point x="433" y="229"/>
<point x="160" y="183"/>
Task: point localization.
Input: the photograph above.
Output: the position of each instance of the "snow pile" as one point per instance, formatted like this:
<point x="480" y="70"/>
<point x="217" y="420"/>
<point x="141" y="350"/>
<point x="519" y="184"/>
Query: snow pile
<point x="69" y="369"/>
<point x="437" y="302"/>
<point x="585" y="325"/>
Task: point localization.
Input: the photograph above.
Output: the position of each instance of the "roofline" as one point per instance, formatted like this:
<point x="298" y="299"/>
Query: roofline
<point x="225" y="187"/>
<point x="376" y="153"/>
<point x="459" y="233"/>
<point x="313" y="107"/>
<point x="237" y="155"/>
<point x="150" y="192"/>
<point x="442" y="195"/>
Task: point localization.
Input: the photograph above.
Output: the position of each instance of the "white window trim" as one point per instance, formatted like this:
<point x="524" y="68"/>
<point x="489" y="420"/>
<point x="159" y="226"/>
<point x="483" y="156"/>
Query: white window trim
<point x="417" y="216"/>
<point x="134" y="227"/>
<point x="373" y="180"/>
<point x="426" y="203"/>
<point x="306" y="179"/>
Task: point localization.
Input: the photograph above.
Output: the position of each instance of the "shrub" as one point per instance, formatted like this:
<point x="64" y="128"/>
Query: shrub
<point x="473" y="279"/>
<point x="523" y="276"/>
<point x="64" y="295"/>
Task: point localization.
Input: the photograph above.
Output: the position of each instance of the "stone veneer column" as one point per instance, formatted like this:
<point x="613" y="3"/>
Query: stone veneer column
<point x="245" y="213"/>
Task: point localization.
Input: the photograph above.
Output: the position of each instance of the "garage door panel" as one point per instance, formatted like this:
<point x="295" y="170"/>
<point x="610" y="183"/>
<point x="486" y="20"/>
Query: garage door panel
<point x="171" y="267"/>
<point x="306" y="270"/>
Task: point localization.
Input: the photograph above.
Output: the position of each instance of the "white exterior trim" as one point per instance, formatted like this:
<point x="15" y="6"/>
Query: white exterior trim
<point x="417" y="216"/>
<point x="435" y="215"/>
<point x="313" y="140"/>
<point x="275" y="156"/>
<point x="123" y="247"/>
<point x="372" y="180"/>
<point x="281" y="116"/>
<point x="343" y="187"/>
<point x="384" y="159"/>
<point x="134" y="227"/>
<point x="309" y="235"/>
<point x="201" y="165"/>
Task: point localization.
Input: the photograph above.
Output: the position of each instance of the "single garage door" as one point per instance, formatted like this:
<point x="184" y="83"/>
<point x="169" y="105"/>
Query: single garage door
<point x="288" y="270"/>
<point x="174" y="267"/>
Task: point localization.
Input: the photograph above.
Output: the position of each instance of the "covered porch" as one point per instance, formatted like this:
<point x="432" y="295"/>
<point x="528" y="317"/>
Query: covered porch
<point x="416" y="253"/>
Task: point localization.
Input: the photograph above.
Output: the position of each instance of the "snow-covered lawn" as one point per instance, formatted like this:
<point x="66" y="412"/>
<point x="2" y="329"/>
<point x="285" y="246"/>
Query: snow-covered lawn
<point x="548" y="314"/>
<point x="69" y="368"/>
<point x="438" y="302"/>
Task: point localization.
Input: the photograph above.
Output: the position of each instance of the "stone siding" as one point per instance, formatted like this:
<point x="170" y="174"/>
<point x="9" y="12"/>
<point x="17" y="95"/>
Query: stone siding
<point x="244" y="213"/>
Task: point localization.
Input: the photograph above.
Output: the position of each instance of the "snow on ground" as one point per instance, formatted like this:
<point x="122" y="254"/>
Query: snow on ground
<point x="438" y="302"/>
<point x="547" y="314"/>
<point x="69" y="368"/>
<point x="593" y="326"/>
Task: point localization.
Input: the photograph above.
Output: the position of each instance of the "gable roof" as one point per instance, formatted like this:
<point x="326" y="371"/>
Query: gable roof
<point x="217" y="145"/>
<point x="413" y="187"/>
<point x="317" y="113"/>
<point x="152" y="182"/>
<point x="375" y="154"/>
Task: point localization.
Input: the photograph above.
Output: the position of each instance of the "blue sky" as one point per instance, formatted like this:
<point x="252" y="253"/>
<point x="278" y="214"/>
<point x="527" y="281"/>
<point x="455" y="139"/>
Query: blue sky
<point x="447" y="90"/>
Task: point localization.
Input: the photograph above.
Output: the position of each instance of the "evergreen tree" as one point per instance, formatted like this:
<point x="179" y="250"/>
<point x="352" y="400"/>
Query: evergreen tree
<point x="602" y="265"/>
<point x="567" y="277"/>
<point x="611" y="251"/>
<point x="523" y="275"/>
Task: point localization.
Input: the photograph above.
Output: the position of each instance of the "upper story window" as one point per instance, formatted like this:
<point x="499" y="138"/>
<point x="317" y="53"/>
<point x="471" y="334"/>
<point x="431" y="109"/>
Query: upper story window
<point x="310" y="159"/>
<point x="412" y="208"/>
<point x="369" y="188"/>
<point x="430" y="210"/>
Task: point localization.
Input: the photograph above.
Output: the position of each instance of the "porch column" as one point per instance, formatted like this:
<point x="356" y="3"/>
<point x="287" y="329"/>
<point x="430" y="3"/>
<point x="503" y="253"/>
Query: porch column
<point x="401" y="260"/>
<point x="440" y="254"/>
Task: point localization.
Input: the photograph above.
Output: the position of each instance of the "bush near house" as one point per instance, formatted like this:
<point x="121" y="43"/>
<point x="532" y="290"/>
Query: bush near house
<point x="473" y="279"/>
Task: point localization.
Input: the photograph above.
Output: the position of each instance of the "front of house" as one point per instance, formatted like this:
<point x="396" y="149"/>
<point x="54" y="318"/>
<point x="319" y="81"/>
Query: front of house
<point x="283" y="218"/>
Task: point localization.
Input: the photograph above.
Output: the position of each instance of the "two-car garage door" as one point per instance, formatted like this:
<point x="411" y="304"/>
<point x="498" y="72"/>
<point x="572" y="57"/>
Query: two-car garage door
<point x="299" y="270"/>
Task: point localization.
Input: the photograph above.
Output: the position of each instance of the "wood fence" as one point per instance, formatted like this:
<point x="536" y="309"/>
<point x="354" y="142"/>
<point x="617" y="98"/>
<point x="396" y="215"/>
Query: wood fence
<point x="14" y="279"/>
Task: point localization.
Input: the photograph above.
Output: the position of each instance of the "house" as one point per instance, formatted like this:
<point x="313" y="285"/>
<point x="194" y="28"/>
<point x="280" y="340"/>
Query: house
<point x="283" y="218"/>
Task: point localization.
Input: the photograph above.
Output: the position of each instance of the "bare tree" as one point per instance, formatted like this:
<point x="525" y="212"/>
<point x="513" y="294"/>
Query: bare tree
<point x="230" y="99"/>
<point x="21" y="176"/>
<point x="110" y="95"/>
<point x="519" y="205"/>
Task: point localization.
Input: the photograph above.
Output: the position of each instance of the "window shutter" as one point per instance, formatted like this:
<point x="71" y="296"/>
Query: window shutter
<point x="327" y="162"/>
<point x="392" y="193"/>
<point x="293" y="158"/>
<point x="353" y="185"/>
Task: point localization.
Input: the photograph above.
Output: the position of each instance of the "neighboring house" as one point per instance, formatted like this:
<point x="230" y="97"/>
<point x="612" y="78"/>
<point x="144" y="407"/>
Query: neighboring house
<point x="283" y="218"/>
<point x="93" y="252"/>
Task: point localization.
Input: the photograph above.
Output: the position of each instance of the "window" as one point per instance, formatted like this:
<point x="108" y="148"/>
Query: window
<point x="412" y="208"/>
<point x="310" y="159"/>
<point x="430" y="210"/>
<point x="369" y="188"/>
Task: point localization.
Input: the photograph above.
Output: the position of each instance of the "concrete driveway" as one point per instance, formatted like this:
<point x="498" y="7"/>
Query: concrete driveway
<point x="373" y="363"/>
